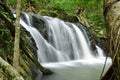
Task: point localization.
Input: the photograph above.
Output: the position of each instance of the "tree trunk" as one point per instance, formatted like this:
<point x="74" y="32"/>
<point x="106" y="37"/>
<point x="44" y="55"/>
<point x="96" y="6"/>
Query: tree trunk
<point x="23" y="45"/>
<point x="24" y="48"/>
<point x="8" y="69"/>
<point x="25" y="64"/>
<point x="112" y="20"/>
<point x="17" y="36"/>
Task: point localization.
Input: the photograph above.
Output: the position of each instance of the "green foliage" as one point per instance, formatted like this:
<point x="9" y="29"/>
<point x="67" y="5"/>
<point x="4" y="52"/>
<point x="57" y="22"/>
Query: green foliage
<point x="13" y="3"/>
<point x="95" y="16"/>
<point x="6" y="41"/>
<point x="69" y="9"/>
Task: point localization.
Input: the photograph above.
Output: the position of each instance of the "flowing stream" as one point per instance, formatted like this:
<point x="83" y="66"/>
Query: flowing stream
<point x="65" y="48"/>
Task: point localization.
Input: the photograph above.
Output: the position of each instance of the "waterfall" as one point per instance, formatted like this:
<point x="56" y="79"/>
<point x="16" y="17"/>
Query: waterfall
<point x="58" y="41"/>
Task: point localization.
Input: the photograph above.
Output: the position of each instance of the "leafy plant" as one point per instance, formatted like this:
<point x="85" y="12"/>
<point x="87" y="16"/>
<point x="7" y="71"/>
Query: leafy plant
<point x="69" y="9"/>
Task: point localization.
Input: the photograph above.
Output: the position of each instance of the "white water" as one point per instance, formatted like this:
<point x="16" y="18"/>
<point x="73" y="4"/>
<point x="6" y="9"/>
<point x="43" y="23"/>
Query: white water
<point x="66" y="42"/>
<point x="84" y="46"/>
<point x="66" y="51"/>
<point x="87" y="69"/>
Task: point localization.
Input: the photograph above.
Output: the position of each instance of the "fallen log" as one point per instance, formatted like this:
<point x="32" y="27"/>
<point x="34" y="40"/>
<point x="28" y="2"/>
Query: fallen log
<point x="8" y="69"/>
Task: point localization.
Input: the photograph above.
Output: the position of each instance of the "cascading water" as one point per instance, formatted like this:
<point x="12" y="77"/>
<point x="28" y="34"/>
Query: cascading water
<point x="63" y="44"/>
<point x="65" y="40"/>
